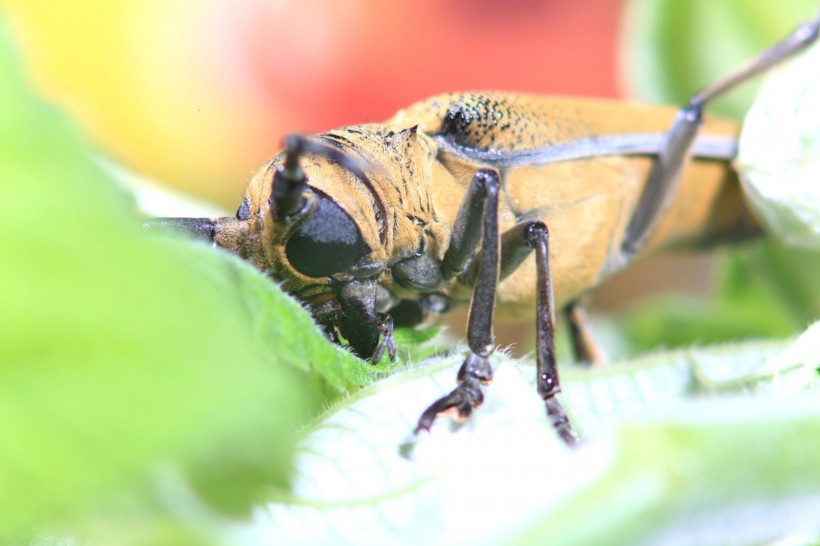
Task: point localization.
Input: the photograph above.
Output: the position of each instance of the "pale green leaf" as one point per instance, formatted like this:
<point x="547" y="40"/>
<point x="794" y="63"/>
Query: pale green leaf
<point x="779" y="152"/>
<point x="670" y="438"/>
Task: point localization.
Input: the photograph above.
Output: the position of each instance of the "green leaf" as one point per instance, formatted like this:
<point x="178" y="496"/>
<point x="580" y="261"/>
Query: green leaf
<point x="676" y="443"/>
<point x="123" y="356"/>
<point x="766" y="291"/>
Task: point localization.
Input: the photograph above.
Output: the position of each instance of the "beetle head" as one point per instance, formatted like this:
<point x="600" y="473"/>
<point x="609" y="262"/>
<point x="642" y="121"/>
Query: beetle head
<point x="312" y="219"/>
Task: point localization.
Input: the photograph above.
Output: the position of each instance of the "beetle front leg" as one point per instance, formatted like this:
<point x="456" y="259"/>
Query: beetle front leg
<point x="467" y="231"/>
<point x="476" y="369"/>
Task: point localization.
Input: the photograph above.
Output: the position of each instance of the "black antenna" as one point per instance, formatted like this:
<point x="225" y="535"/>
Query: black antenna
<point x="289" y="182"/>
<point x="198" y="228"/>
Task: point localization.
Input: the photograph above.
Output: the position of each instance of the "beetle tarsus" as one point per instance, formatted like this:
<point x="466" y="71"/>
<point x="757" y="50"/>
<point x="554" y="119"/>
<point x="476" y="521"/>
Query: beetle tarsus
<point x="461" y="401"/>
<point x="560" y="421"/>
<point x="474" y="372"/>
<point x="476" y="366"/>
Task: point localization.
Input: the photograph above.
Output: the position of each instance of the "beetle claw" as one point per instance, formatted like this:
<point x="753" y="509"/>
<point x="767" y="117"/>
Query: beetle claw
<point x="462" y="400"/>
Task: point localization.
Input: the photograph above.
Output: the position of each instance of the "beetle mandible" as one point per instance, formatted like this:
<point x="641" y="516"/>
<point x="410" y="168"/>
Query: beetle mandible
<point x="445" y="203"/>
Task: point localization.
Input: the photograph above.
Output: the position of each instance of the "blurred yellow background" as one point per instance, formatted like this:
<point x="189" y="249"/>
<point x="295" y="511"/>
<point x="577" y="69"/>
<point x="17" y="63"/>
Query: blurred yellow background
<point x="198" y="94"/>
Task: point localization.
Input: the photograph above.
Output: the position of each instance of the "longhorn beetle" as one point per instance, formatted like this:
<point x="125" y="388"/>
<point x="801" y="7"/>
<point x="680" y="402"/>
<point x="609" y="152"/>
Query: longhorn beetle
<point x="445" y="203"/>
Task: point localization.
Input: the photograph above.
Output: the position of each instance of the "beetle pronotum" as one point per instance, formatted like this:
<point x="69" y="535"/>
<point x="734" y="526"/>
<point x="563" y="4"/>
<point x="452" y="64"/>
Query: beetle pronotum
<point x="445" y="202"/>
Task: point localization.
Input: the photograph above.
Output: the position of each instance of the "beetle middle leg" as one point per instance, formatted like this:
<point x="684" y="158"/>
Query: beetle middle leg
<point x="547" y="381"/>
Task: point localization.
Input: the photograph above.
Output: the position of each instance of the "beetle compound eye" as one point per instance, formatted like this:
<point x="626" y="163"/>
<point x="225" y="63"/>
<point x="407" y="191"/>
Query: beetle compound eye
<point x="328" y="242"/>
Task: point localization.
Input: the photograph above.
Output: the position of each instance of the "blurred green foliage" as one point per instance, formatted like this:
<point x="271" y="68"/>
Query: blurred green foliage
<point x="670" y="48"/>
<point x="124" y="356"/>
